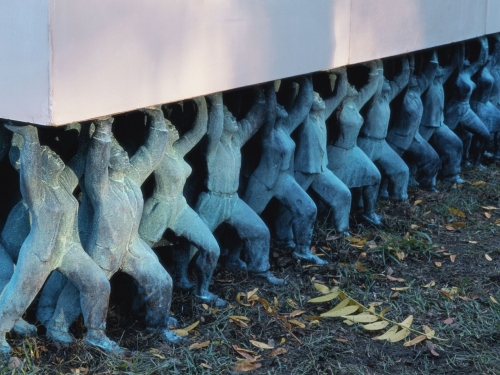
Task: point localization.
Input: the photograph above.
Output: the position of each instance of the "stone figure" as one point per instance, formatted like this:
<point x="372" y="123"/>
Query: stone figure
<point x="458" y="114"/>
<point x="374" y="130"/>
<point x="495" y="89"/>
<point x="273" y="177"/>
<point x="433" y="129"/>
<point x="53" y="244"/>
<point x="345" y="159"/>
<point x="311" y="160"/>
<point x="221" y="203"/>
<point x="113" y="182"/>
<point x="167" y="208"/>
<point x="403" y="135"/>
<point x="480" y="100"/>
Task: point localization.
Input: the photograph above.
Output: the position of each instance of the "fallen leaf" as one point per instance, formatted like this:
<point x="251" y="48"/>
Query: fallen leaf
<point x="296" y="313"/>
<point x="206" y="366"/>
<point x="362" y="255"/>
<point x="362" y="318"/>
<point x="260" y="345"/>
<point x="428" y="285"/>
<point x="371" y="244"/>
<point x="456" y="212"/>
<point x="200" y="345"/>
<point x="395" y="295"/>
<point x="429" y="332"/>
<point x="490" y="208"/>
<point x="432" y="348"/>
<point x="487" y="214"/>
<point x="390" y="278"/>
<point x="448" y="227"/>
<point x="438" y="264"/>
<point x="473" y="242"/>
<point x="251" y="293"/>
<point x="448" y="321"/>
<point x="297" y="323"/>
<point x="493" y="300"/>
<point x="403" y="288"/>
<point x="453" y="257"/>
<point x="478" y="183"/>
<point x="246" y="365"/>
<point x="400" y="255"/>
<point x="342" y="340"/>
<point x="387" y="334"/>
<point x="416" y="340"/>
<point x="414" y="226"/>
<point x="488" y="258"/>
<point x="321" y="288"/>
<point x="325" y="298"/>
<point x="376" y="326"/>
<point x="341" y="312"/>
<point x="417" y="202"/>
<point x="360" y="267"/>
<point x="278" y="351"/>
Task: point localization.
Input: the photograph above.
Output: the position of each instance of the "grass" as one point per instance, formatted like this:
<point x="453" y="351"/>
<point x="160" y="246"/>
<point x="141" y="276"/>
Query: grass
<point x="421" y="231"/>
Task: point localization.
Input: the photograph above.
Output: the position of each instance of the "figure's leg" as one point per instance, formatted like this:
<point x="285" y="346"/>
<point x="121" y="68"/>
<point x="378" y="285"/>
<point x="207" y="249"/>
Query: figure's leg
<point x="449" y="147"/>
<point x="255" y="234"/>
<point x="303" y="212"/>
<point x="190" y="226"/>
<point x="370" y="194"/>
<point x="394" y="168"/>
<point x="481" y="136"/>
<point x="427" y="163"/>
<point x="27" y="280"/>
<point x="155" y="285"/>
<point x="154" y="221"/>
<point x="94" y="288"/>
<point x="335" y="195"/>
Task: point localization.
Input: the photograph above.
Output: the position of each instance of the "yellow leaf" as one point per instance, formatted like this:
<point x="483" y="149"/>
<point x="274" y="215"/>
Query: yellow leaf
<point x="417" y="202"/>
<point x="432" y="283"/>
<point x="400" y="255"/>
<point x="392" y="331"/>
<point x="415" y="341"/>
<point x="487" y="214"/>
<point x="341" y="305"/>
<point x="192" y="326"/>
<point x="360" y="267"/>
<point x="489" y="208"/>
<point x="414" y="226"/>
<point x="478" y="183"/>
<point x="401" y="288"/>
<point x="238" y="299"/>
<point x="376" y="326"/>
<point x="429" y="332"/>
<point x="453" y="257"/>
<point x="362" y="318"/>
<point x="297" y="323"/>
<point x="205" y="306"/>
<point x="456" y="212"/>
<point x="493" y="300"/>
<point x="296" y="313"/>
<point x="488" y="257"/>
<point x="390" y="278"/>
<point x="384" y="311"/>
<point x="473" y="242"/>
<point x="400" y="335"/>
<point x="325" y="298"/>
<point x="206" y="365"/>
<point x="238" y="317"/>
<point x="438" y="264"/>
<point x="246" y="365"/>
<point x="278" y="351"/>
<point x="341" y="312"/>
<point x="199" y="345"/>
<point x="282" y="341"/>
<point x="322" y="288"/>
<point x="251" y="293"/>
<point x="260" y="345"/>
<point x="180" y="332"/>
<point x="407" y="322"/>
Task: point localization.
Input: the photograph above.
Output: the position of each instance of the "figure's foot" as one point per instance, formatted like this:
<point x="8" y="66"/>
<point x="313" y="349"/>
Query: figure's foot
<point x="171" y="321"/>
<point x="60" y="336"/>
<point x="98" y="339"/>
<point x="310" y="258"/>
<point x="453" y="180"/>
<point x="270" y="277"/>
<point x="285" y="243"/>
<point x="431" y="189"/>
<point x="171" y="337"/>
<point x="346" y="234"/>
<point x="372" y="218"/>
<point x="479" y="166"/>
<point x="23" y="328"/>
<point x="211" y="299"/>
<point x="183" y="283"/>
<point x="235" y="265"/>
<point x="412" y="181"/>
<point x="383" y="194"/>
<point x="4" y="346"/>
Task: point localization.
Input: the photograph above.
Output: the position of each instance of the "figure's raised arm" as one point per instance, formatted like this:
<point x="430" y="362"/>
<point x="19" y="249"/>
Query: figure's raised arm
<point x="31" y="163"/>
<point x="367" y="91"/>
<point x="254" y="119"/>
<point x="332" y="102"/>
<point x="215" y="123"/>
<point x="76" y="166"/>
<point x="199" y="129"/>
<point x="428" y="73"/>
<point x="270" y="117"/>
<point x="149" y="155"/>
<point x="96" y="168"/>
<point x="448" y="69"/>
<point x="302" y="105"/>
<point x="401" y="80"/>
<point x="483" y="56"/>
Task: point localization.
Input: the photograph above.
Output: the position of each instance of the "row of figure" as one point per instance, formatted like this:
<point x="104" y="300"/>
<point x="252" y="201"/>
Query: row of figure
<point x="344" y="150"/>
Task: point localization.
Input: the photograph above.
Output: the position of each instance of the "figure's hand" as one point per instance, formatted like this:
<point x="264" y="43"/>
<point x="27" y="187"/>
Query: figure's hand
<point x="26" y="131"/>
<point x="152" y="111"/>
<point x="372" y="65"/>
<point x="434" y="57"/>
<point x="103" y="123"/>
<point x="405" y="63"/>
<point x="199" y="101"/>
<point x="215" y="98"/>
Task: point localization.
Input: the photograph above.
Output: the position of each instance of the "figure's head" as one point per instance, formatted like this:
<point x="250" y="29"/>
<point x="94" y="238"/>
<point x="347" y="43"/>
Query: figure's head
<point x="118" y="159"/>
<point x="230" y="123"/>
<point x="173" y="134"/>
<point x="52" y="164"/>
<point x="351" y="91"/>
<point x="318" y="103"/>
<point x="281" y="111"/>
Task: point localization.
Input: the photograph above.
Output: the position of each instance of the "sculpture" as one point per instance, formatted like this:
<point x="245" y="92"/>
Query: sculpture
<point x="433" y="129"/>
<point x="345" y="159"/>
<point x="113" y="183"/>
<point x="53" y="243"/>
<point x="403" y="135"/>
<point x="495" y="89"/>
<point x="480" y="100"/>
<point x="221" y="202"/>
<point x="311" y="160"/>
<point x="273" y="177"/>
<point x="374" y="130"/>
<point x="167" y="208"/>
<point x="458" y="114"/>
